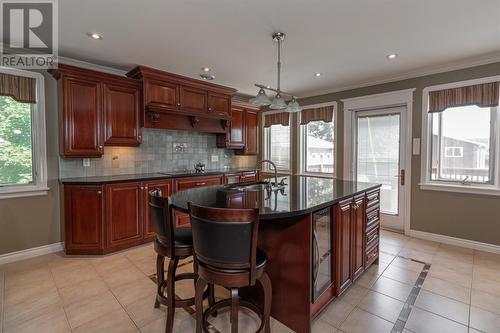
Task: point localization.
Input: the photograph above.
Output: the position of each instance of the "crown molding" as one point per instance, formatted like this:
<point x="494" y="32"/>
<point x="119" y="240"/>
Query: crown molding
<point x="91" y="66"/>
<point x="489" y="58"/>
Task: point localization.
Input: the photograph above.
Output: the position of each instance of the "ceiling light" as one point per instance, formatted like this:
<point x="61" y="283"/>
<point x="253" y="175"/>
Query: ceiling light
<point x="278" y="102"/>
<point x="205" y="69"/>
<point x="392" y="56"/>
<point x="208" y="77"/>
<point x="94" y="35"/>
<point x="317" y="74"/>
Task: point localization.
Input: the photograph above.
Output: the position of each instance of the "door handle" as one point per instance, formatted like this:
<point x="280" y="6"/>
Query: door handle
<point x="401" y="176"/>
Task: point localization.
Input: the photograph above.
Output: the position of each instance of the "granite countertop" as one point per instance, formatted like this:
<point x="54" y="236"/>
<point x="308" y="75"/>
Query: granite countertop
<point x="148" y="176"/>
<point x="301" y="195"/>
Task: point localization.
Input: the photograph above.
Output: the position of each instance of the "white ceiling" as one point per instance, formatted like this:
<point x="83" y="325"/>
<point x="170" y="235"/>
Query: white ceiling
<point x="346" y="40"/>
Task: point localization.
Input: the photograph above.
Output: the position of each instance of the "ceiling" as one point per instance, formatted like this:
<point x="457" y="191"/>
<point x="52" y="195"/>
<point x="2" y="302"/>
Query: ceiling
<point x="346" y="40"/>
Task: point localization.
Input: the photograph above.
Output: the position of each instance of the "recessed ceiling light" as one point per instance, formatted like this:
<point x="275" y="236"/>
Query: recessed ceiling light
<point x="94" y="35"/>
<point x="392" y="56"/>
<point x="317" y="74"/>
<point x="208" y="77"/>
<point x="205" y="69"/>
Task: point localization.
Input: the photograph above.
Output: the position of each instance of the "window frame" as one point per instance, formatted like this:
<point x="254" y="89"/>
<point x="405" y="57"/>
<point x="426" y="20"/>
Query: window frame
<point x="39" y="146"/>
<point x="302" y="140"/>
<point x="426" y="181"/>
<point x="267" y="145"/>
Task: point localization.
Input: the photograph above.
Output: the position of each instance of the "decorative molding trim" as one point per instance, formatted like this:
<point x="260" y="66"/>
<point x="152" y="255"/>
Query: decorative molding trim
<point x="30" y="253"/>
<point x="490" y="58"/>
<point x="88" y="65"/>
<point x="470" y="244"/>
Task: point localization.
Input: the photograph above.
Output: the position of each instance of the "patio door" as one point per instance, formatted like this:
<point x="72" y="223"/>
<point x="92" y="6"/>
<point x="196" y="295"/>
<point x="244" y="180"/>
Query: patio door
<point x="379" y="157"/>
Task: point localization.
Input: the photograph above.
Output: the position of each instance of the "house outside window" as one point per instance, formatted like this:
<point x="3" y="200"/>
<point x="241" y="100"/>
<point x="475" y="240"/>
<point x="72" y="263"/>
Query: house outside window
<point x="317" y="146"/>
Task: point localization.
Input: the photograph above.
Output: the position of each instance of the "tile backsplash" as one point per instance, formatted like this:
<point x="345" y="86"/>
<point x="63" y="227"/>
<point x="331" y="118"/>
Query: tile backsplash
<point x="161" y="150"/>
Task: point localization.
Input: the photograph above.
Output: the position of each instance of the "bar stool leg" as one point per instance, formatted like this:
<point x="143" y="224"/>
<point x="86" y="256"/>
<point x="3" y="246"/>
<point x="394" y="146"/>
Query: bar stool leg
<point x="235" y="304"/>
<point x="211" y="297"/>
<point x="160" y="277"/>
<point x="200" y="287"/>
<point x="268" y="294"/>
<point x="172" y="268"/>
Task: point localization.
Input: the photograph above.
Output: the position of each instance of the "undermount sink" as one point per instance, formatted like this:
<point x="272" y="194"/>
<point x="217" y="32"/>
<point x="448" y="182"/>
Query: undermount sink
<point x="250" y="186"/>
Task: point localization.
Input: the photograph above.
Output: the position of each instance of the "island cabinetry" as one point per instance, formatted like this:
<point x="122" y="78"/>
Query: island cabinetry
<point x="372" y="228"/>
<point x="343" y="242"/>
<point x="83" y="216"/>
<point x="358" y="236"/>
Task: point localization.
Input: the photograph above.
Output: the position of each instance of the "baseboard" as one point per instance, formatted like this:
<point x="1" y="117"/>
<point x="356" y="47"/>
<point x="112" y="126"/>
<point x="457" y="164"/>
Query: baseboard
<point x="30" y="253"/>
<point x="455" y="241"/>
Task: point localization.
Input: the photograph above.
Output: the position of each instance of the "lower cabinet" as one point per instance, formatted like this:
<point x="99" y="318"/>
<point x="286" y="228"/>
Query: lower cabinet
<point x="358" y="235"/>
<point x="343" y="242"/>
<point x="83" y="215"/>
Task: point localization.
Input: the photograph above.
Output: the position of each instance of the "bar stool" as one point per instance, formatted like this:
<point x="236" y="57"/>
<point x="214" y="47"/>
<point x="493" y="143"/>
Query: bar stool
<point x="175" y="244"/>
<point x="225" y="245"/>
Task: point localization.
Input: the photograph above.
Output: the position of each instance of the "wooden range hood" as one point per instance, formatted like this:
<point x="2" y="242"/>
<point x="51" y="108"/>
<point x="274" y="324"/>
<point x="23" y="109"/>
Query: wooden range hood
<point x="176" y="102"/>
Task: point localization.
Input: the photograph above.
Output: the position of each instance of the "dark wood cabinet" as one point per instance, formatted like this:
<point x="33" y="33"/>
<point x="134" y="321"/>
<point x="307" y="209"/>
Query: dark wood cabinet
<point x="232" y="178"/>
<point x="243" y="132"/>
<point x="122" y="124"/>
<point x="250" y="176"/>
<point x="181" y="184"/>
<point x="96" y="109"/>
<point x="161" y="93"/>
<point x="124" y="215"/>
<point x="343" y="243"/>
<point x="165" y="186"/>
<point x="193" y="100"/>
<point x="81" y="117"/>
<point x="83" y="214"/>
<point x="358" y="235"/>
<point x="219" y="104"/>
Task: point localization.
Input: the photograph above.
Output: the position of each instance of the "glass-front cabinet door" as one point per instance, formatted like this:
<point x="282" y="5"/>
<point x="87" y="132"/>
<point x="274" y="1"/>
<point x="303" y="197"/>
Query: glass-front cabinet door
<point x="322" y="261"/>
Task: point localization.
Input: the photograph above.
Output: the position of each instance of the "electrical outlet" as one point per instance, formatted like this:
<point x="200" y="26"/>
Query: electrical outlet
<point x="86" y="162"/>
<point x="179" y="147"/>
<point x="215" y="158"/>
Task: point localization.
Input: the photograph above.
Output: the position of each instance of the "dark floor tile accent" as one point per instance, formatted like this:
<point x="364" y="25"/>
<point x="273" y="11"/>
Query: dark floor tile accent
<point x="400" y="324"/>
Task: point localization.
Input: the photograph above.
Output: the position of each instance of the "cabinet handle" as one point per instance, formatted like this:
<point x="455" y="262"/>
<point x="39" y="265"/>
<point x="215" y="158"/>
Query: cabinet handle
<point x="99" y="192"/>
<point x="178" y="104"/>
<point x="209" y="109"/>
<point x="100" y="147"/>
<point x="146" y="188"/>
<point x="142" y="187"/>
<point x="200" y="184"/>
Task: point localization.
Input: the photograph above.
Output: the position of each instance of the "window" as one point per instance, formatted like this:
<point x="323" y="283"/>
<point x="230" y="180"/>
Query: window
<point x="22" y="143"/>
<point x="463" y="138"/>
<point x="317" y="147"/>
<point x="460" y="137"/>
<point x="277" y="141"/>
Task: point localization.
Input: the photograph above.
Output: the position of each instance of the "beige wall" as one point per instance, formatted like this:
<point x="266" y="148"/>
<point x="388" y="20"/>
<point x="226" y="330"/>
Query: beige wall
<point x="34" y="221"/>
<point x="472" y="217"/>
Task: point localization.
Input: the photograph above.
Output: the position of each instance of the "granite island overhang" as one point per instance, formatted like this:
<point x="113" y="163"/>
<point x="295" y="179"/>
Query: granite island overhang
<point x="320" y="235"/>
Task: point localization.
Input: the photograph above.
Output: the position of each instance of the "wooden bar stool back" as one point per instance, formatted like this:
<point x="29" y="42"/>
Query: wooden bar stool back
<point x="175" y="244"/>
<point x="225" y="245"/>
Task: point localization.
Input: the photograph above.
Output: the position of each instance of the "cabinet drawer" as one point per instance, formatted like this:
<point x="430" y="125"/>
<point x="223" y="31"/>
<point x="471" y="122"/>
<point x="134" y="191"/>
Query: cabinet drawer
<point x="372" y="238"/>
<point x="372" y="199"/>
<point x="249" y="177"/>
<point x="371" y="255"/>
<point x="372" y="219"/>
<point x="192" y="182"/>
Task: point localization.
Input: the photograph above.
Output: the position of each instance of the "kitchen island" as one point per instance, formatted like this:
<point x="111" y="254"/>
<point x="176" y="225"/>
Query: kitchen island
<point x="319" y="234"/>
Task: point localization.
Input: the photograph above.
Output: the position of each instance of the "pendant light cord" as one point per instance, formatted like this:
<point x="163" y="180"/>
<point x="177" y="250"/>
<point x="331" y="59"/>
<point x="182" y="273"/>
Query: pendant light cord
<point x="279" y="64"/>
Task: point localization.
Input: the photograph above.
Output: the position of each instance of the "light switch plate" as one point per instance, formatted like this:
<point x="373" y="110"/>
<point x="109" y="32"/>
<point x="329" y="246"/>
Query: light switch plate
<point x="416" y="146"/>
<point x="86" y="162"/>
<point x="215" y="158"/>
<point x="179" y="147"/>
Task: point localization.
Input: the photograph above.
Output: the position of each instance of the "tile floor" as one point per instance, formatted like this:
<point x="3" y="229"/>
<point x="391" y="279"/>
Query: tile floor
<point x="55" y="293"/>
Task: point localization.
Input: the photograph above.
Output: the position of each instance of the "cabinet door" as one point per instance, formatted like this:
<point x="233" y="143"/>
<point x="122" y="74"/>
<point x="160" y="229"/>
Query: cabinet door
<point x="122" y="106"/>
<point x="236" y="131"/>
<point x="358" y="235"/>
<point x="193" y="100"/>
<point x="123" y="214"/>
<point x="251" y="132"/>
<point x="81" y="118"/>
<point x="161" y="93"/>
<point x="247" y="177"/>
<point x="343" y="244"/>
<point x="83" y="211"/>
<point x="219" y="104"/>
<point x="165" y="186"/>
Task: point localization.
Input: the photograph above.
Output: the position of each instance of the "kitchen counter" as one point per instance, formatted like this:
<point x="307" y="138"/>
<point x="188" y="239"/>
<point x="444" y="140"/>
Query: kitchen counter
<point x="147" y="176"/>
<point x="301" y="195"/>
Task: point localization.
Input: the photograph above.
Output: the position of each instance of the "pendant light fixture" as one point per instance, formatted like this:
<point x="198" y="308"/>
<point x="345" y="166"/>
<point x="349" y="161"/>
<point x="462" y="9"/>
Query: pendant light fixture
<point x="278" y="102"/>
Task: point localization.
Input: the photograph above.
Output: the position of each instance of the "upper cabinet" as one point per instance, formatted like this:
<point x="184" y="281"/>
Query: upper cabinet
<point x="96" y="109"/>
<point x="243" y="131"/>
<point x="176" y="102"/>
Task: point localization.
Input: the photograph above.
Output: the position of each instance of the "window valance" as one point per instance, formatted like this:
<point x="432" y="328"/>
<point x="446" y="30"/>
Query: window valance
<point x="282" y="118"/>
<point x="324" y="113"/>
<point x="483" y="95"/>
<point x="20" y="88"/>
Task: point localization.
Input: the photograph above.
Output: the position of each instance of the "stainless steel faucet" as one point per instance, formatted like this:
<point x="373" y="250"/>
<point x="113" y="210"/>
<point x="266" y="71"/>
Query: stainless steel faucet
<point x="275" y="169"/>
